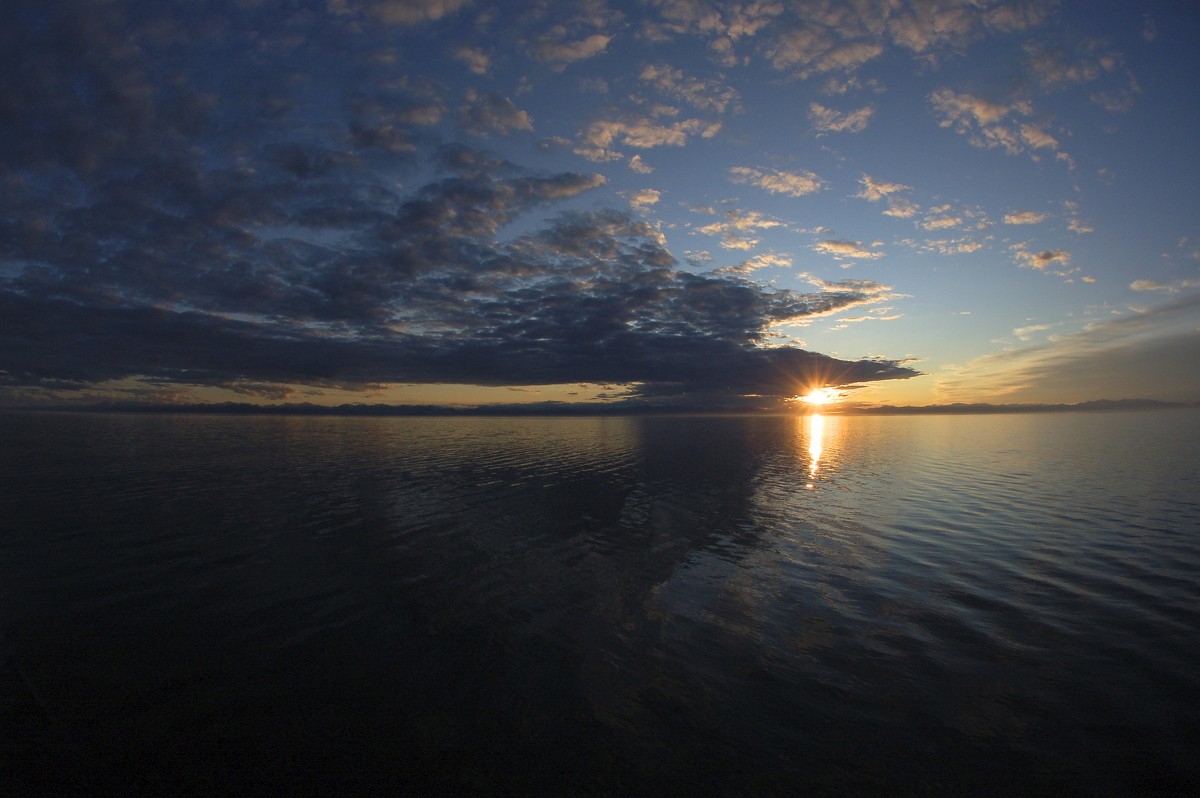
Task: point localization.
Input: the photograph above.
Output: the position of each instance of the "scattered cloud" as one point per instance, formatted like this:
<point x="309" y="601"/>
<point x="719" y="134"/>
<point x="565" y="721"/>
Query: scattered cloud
<point x="1048" y="261"/>
<point x="1076" y="225"/>
<point x="793" y="184"/>
<point x="1024" y="217"/>
<point x="475" y="59"/>
<point x="490" y="114"/>
<point x="1044" y="259"/>
<point x="1054" y="69"/>
<point x="1173" y="287"/>
<point x="874" y="190"/>
<point x="641" y="200"/>
<point x="941" y="221"/>
<point x="560" y="52"/>
<point x="988" y="124"/>
<point x="753" y="264"/>
<point x="704" y="95"/>
<point x="638" y="165"/>
<point x="400" y="12"/>
<point x="738" y="227"/>
<point x="827" y="120"/>
<point x="946" y="246"/>
<point x="598" y="140"/>
<point x="847" y="250"/>
<point x="901" y="208"/>
<point x="949" y="217"/>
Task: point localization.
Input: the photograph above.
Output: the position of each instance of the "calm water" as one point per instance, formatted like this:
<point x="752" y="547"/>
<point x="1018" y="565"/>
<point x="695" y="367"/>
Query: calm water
<point x="718" y="605"/>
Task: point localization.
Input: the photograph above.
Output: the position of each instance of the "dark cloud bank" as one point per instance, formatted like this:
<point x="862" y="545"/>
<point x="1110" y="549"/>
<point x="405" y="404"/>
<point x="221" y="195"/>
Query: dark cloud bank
<point x="169" y="214"/>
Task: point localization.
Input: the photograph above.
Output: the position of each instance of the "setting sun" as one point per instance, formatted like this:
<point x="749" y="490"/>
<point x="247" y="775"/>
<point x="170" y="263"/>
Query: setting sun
<point x="821" y="396"/>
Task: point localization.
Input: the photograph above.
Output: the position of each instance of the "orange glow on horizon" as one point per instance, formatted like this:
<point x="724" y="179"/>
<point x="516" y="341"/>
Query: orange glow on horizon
<point x="821" y="396"/>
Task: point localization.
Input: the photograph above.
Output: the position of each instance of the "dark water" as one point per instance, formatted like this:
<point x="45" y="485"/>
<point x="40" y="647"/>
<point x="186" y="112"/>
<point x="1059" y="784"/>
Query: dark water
<point x="1004" y="604"/>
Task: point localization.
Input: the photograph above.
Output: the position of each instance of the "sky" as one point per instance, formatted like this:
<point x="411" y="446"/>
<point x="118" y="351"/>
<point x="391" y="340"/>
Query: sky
<point x="676" y="202"/>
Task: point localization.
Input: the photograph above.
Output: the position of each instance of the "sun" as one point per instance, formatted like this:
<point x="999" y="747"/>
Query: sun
<point x="821" y="396"/>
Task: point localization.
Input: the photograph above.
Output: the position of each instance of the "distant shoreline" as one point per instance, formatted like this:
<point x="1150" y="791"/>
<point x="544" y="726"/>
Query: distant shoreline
<point x="596" y="410"/>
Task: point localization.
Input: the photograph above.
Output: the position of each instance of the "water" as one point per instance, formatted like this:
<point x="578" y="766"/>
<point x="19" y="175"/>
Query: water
<point x="993" y="604"/>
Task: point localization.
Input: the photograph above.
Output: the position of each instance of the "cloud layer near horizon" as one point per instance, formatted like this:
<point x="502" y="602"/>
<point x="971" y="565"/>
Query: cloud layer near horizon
<point x="155" y="278"/>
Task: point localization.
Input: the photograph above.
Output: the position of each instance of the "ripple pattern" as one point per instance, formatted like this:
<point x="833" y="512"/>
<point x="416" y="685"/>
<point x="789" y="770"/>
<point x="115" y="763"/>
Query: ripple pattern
<point x="580" y="605"/>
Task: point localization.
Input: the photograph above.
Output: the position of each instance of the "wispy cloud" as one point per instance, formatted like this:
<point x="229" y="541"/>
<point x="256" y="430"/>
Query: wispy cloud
<point x="704" y="95"/>
<point x="793" y="184"/>
<point x="400" y="12"/>
<point x="1173" y="287"/>
<point x="598" y="139"/>
<point x="475" y="59"/>
<point x="1152" y="353"/>
<point x="490" y="114"/>
<point x="737" y="228"/>
<point x="827" y="120"/>
<point x="848" y="250"/>
<point x="874" y="190"/>
<point x="561" y="52"/>
<point x="989" y="124"/>
<point x="1025" y="217"/>
<point x="946" y="246"/>
<point x="753" y="264"/>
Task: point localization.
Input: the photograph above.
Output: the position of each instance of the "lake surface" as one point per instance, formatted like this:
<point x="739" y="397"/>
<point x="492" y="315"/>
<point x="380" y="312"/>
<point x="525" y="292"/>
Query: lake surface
<point x="715" y="605"/>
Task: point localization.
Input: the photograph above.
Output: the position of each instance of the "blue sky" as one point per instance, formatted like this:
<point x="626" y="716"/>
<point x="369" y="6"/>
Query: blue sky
<point x="697" y="203"/>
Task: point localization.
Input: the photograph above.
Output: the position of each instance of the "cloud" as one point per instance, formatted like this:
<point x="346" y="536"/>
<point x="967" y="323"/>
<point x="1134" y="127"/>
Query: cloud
<point x="1054" y="70"/>
<point x="875" y="190"/>
<point x="1046" y="259"/>
<point x="737" y="228"/>
<point x="1076" y="225"/>
<point x="793" y="184"/>
<point x="947" y="217"/>
<point x="1049" y="261"/>
<point x="1171" y="288"/>
<point x="946" y="246"/>
<point x="901" y="208"/>
<point x="490" y="114"/>
<point x="1024" y="217"/>
<point x="476" y="59"/>
<point x="414" y="288"/>
<point x="638" y="165"/>
<point x="824" y="37"/>
<point x="643" y="199"/>
<point x="1027" y="332"/>
<point x="753" y="264"/>
<point x="925" y="26"/>
<point x="1152" y="354"/>
<point x="724" y="26"/>
<point x="843" y="250"/>
<point x="826" y="120"/>
<point x="941" y="222"/>
<point x="988" y="124"/>
<point x="400" y="12"/>
<point x="811" y="50"/>
<point x="597" y="140"/>
<point x="560" y="53"/>
<point x="705" y="95"/>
